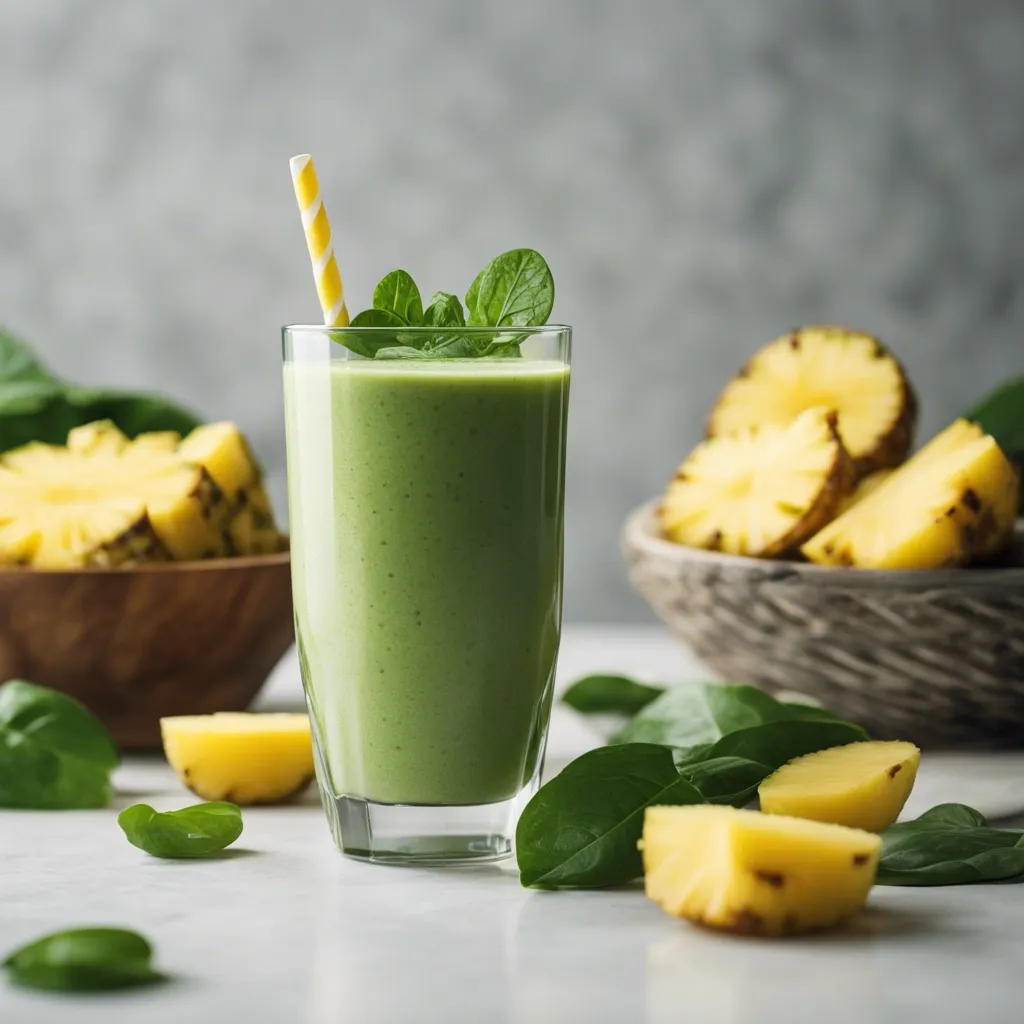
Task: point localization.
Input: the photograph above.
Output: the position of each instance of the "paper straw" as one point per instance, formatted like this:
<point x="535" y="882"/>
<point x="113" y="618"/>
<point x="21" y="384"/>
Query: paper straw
<point x="318" y="241"/>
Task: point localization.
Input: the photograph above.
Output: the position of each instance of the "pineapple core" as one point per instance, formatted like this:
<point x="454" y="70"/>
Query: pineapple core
<point x="755" y="874"/>
<point x="860" y="785"/>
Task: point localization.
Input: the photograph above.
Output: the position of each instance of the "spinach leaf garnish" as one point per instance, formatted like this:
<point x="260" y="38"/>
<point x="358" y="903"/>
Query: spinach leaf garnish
<point x="951" y="844"/>
<point x="515" y="289"/>
<point x="54" y="753"/>
<point x="197" y="831"/>
<point x="609" y="695"/>
<point x="85" y="960"/>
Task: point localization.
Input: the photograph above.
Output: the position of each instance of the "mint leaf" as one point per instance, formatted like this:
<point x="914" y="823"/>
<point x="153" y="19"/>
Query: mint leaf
<point x="84" y="960"/>
<point x="397" y="293"/>
<point x="196" y="831"/>
<point x="515" y="289"/>
<point x="445" y="310"/>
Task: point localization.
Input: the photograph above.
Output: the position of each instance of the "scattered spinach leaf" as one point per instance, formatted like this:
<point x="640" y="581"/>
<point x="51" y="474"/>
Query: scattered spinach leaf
<point x="197" y="831"/>
<point x="604" y="695"/>
<point x="686" y="715"/>
<point x="581" y="828"/>
<point x="951" y="844"/>
<point x="54" y="753"/>
<point x="515" y="289"/>
<point x="85" y="960"/>
<point x="727" y="780"/>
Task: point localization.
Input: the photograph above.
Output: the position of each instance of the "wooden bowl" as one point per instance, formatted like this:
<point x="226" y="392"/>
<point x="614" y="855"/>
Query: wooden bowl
<point x="136" y="643"/>
<point x="935" y="657"/>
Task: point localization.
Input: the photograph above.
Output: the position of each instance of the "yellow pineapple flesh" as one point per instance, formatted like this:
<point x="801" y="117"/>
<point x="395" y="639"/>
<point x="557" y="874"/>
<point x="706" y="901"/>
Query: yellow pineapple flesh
<point x="860" y="785"/>
<point x="239" y="757"/>
<point x="252" y="528"/>
<point x="753" y="873"/>
<point x="105" y="501"/>
<point x="224" y="453"/>
<point x="955" y="501"/>
<point x="841" y="369"/>
<point x="759" y="491"/>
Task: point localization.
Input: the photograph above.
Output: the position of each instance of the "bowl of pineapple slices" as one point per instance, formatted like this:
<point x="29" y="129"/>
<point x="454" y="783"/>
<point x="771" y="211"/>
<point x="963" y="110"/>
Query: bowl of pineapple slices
<point x="804" y="547"/>
<point x="146" y="577"/>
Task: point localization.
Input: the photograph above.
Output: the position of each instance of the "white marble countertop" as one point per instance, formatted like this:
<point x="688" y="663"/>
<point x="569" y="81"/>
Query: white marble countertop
<point x="284" y="929"/>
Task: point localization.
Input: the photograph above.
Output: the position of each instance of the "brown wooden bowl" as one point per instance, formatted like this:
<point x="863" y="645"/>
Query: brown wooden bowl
<point x="140" y="642"/>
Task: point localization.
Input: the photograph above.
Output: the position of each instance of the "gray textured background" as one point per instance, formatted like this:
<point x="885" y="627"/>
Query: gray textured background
<point x="701" y="175"/>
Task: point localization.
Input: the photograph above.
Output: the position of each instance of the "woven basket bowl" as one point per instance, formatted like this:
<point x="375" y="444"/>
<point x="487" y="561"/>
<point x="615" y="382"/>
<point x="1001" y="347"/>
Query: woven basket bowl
<point x="140" y="642"/>
<point x="934" y="657"/>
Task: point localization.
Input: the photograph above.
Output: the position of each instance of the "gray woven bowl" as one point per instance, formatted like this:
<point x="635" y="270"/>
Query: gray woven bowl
<point x="932" y="657"/>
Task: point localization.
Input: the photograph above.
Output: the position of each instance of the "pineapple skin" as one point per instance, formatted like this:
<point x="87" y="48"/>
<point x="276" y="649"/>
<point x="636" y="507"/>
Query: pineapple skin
<point x="252" y="530"/>
<point x="755" y="874"/>
<point x="242" y="758"/>
<point x="860" y="785"/>
<point x="892" y="447"/>
<point x="194" y="524"/>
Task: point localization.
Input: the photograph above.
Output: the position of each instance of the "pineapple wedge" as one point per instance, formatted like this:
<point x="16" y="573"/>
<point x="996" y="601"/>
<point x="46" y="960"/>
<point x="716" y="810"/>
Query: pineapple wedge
<point x="760" y="491"/>
<point x="224" y="453"/>
<point x="252" y="528"/>
<point x="835" y="367"/>
<point x="867" y="485"/>
<point x="104" y="501"/>
<point x="755" y="874"/>
<point x="955" y="501"/>
<point x="239" y="757"/>
<point x="860" y="785"/>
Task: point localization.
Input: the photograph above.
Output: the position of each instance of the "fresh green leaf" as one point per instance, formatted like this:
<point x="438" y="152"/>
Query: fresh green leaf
<point x="134" y="413"/>
<point x="84" y="960"/>
<point x="367" y="344"/>
<point x="1001" y="414"/>
<point x="401" y="352"/>
<point x="686" y="715"/>
<point x="452" y="347"/>
<point x="772" y="744"/>
<point x="445" y="310"/>
<point x="727" y="780"/>
<point x="397" y="293"/>
<point x="54" y="753"/>
<point x="196" y="831"/>
<point x="19" y="363"/>
<point x="603" y="695"/>
<point x="951" y="844"/>
<point x="581" y="828"/>
<point x="515" y="289"/>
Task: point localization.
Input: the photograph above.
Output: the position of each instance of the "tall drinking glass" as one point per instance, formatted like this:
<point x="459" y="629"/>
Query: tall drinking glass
<point x="426" y="507"/>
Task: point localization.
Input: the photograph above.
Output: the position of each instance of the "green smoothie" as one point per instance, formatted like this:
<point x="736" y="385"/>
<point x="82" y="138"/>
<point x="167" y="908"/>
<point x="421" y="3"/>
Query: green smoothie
<point x="426" y="506"/>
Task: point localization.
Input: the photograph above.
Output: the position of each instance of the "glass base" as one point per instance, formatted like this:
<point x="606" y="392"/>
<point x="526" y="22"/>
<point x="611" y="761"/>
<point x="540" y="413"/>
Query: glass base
<point x="404" y="834"/>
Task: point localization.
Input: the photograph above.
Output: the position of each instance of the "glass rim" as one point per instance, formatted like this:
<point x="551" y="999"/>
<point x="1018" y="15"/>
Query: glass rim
<point x="324" y="329"/>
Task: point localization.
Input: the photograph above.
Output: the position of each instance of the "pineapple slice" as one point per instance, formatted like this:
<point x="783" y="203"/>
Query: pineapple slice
<point x="106" y="501"/>
<point x="755" y="874"/>
<point x="224" y="453"/>
<point x="761" y="491"/>
<point x="238" y="757"/>
<point x="835" y="367"/>
<point x="954" y="501"/>
<point x="860" y="785"/>
<point x="865" y="486"/>
<point x="252" y="528"/>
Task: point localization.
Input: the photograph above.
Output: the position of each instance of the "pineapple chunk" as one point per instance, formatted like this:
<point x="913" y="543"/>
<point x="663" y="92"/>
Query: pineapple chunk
<point x="106" y="501"/>
<point x="238" y="757"/>
<point x="252" y="528"/>
<point x="835" y="367"/>
<point x="860" y="785"/>
<point x="867" y="485"/>
<point x="954" y="501"/>
<point x="755" y="874"/>
<point x="761" y="491"/>
<point x="224" y="453"/>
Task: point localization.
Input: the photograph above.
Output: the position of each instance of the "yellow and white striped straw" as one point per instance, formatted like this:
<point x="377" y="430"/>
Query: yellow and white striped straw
<point x="318" y="241"/>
